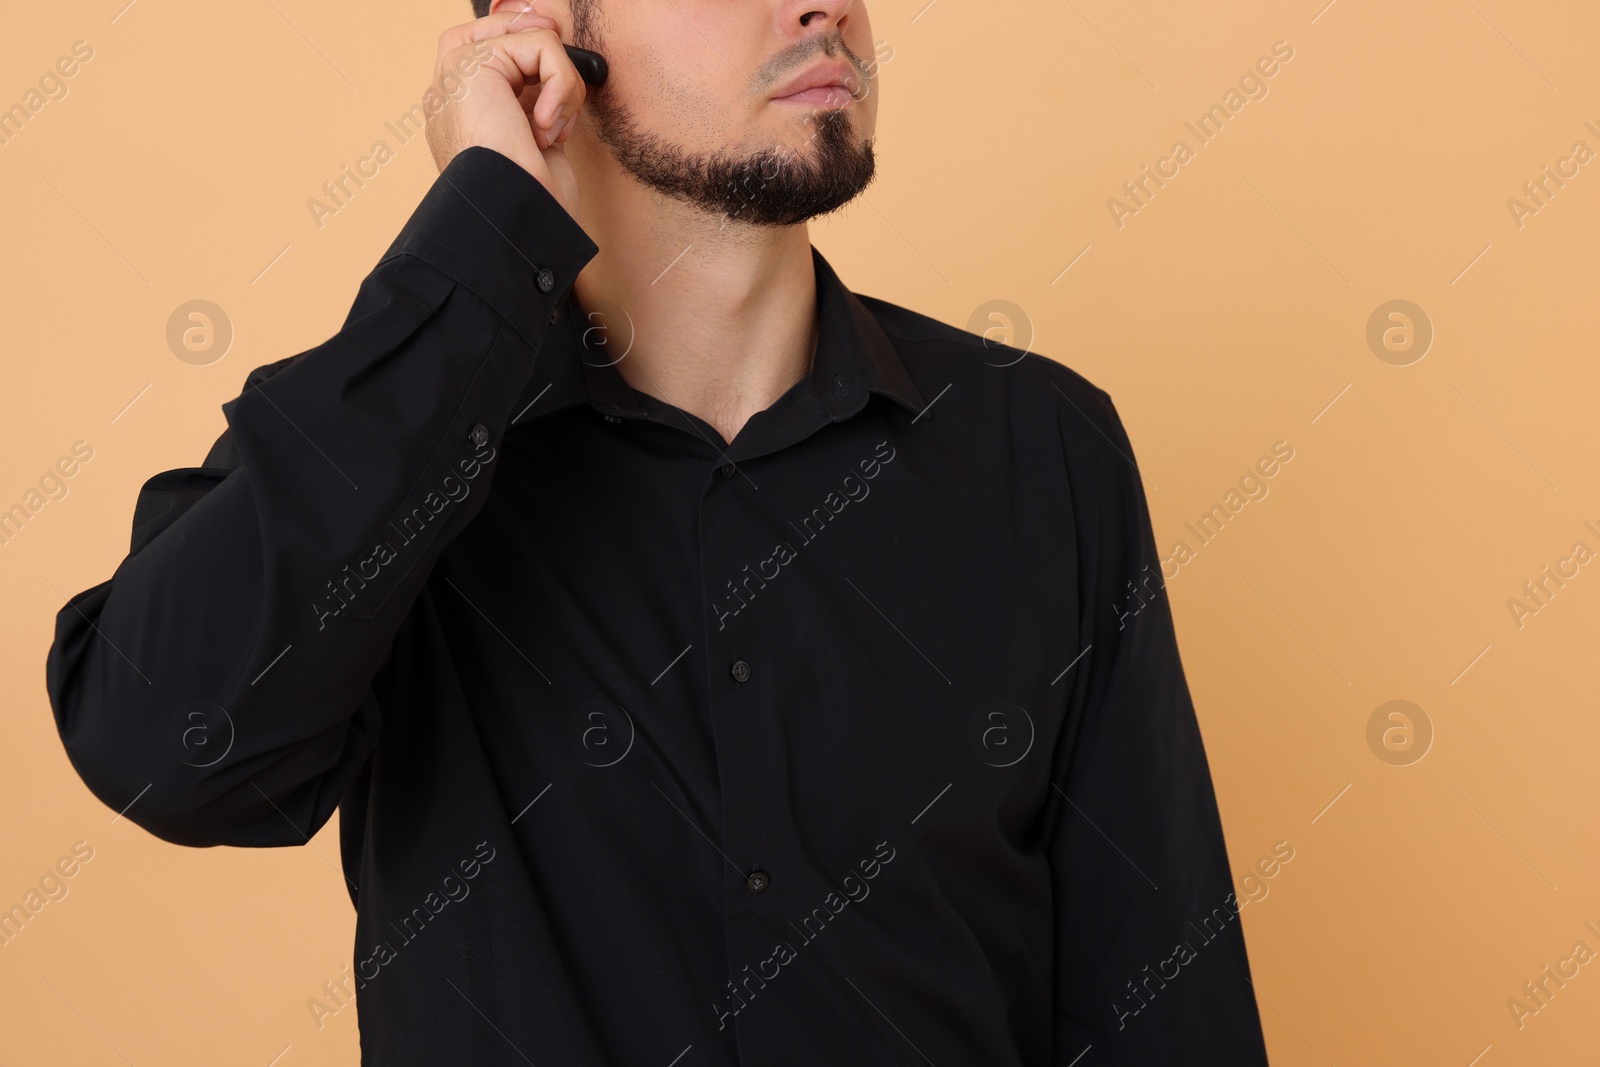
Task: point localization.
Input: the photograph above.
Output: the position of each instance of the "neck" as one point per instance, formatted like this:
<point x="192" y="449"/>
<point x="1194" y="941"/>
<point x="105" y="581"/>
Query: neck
<point x="723" y="315"/>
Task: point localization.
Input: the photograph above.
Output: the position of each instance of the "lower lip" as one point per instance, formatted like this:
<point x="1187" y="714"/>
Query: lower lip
<point x="824" y="96"/>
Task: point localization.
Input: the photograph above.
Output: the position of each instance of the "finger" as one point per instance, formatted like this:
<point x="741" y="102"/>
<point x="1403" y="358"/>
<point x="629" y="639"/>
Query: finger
<point x="533" y="63"/>
<point x="495" y="25"/>
<point x="540" y="59"/>
<point x="531" y="59"/>
<point x="462" y="49"/>
<point x="542" y="77"/>
<point x="528" y="97"/>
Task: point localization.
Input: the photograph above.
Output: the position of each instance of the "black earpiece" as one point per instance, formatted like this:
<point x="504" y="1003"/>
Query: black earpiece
<point x="591" y="65"/>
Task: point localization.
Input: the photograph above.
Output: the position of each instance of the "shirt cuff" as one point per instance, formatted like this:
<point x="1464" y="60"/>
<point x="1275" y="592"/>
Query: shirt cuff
<point x="494" y="228"/>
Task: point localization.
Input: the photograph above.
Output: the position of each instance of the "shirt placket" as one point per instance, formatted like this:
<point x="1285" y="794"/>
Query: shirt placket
<point x="744" y="711"/>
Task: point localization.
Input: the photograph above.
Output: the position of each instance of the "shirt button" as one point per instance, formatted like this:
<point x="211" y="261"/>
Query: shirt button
<point x="545" y="280"/>
<point x="728" y="470"/>
<point x="740" y="671"/>
<point x="757" y="881"/>
<point x="479" y="435"/>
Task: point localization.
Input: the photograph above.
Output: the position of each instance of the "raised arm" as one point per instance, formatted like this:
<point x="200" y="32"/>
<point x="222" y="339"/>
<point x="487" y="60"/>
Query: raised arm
<point x="217" y="685"/>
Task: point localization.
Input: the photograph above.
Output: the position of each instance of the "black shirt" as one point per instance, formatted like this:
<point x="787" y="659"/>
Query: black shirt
<point x="861" y="739"/>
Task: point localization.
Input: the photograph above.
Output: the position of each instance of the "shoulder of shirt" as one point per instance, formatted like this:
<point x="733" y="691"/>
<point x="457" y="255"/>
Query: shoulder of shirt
<point x="1027" y="374"/>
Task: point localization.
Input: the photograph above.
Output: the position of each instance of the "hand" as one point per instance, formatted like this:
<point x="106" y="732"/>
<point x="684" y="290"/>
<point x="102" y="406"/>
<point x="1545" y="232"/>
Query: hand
<point x="521" y="99"/>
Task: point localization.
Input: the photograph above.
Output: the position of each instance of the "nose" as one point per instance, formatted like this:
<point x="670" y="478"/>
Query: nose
<point x="822" y="14"/>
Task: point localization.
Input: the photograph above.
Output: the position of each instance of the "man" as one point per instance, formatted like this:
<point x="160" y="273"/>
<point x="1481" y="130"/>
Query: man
<point x="709" y="665"/>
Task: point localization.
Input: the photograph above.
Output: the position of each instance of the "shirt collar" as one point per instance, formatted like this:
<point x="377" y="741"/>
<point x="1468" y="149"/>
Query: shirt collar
<point x="854" y="359"/>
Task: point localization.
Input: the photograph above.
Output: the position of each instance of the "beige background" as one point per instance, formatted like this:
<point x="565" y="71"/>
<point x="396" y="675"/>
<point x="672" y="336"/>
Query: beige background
<point x="1229" y="313"/>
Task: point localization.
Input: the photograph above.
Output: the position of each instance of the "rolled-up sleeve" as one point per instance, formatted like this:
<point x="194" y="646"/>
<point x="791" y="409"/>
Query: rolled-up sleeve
<point x="217" y="686"/>
<point x="1151" y="967"/>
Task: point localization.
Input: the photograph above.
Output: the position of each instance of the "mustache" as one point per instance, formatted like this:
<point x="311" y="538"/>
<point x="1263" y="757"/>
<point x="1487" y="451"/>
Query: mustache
<point x="800" y="54"/>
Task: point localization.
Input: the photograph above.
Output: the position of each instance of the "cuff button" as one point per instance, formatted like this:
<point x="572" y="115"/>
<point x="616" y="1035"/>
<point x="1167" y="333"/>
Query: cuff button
<point x="479" y="435"/>
<point x="545" y="280"/>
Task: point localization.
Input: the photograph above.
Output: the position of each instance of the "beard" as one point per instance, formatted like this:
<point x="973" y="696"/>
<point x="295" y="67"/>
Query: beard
<point x="775" y="186"/>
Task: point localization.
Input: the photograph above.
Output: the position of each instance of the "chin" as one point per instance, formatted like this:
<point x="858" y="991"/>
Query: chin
<point x="805" y="130"/>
